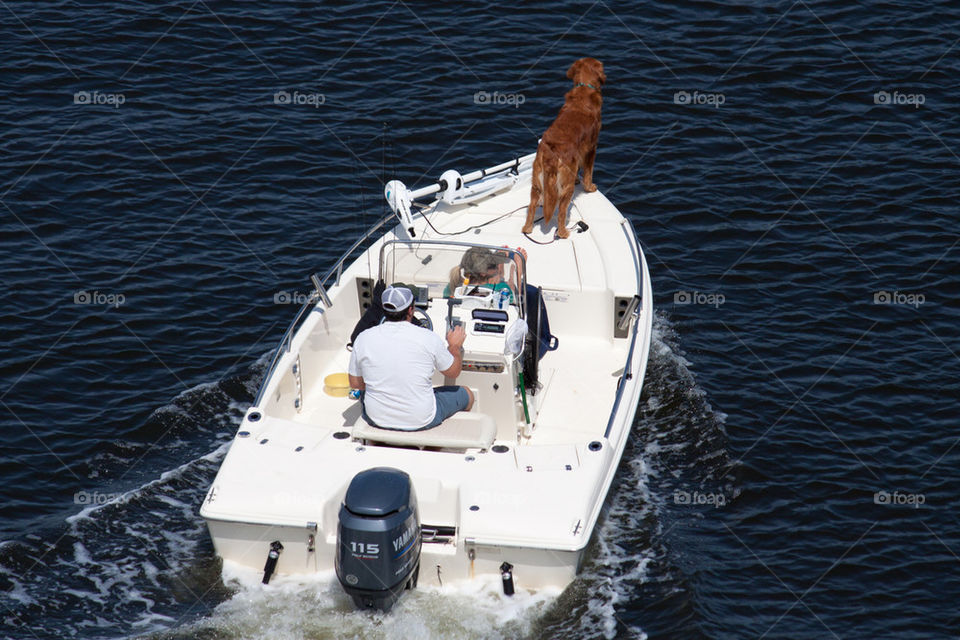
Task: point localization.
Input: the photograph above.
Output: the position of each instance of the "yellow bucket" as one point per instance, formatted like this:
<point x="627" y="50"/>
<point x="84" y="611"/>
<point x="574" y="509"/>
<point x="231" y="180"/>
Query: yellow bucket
<point x="336" y="385"/>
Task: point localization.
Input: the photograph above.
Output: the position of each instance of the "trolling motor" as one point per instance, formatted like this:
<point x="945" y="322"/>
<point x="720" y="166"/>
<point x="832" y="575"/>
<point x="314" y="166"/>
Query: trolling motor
<point x="399" y="198"/>
<point x="455" y="189"/>
<point x="272" y="557"/>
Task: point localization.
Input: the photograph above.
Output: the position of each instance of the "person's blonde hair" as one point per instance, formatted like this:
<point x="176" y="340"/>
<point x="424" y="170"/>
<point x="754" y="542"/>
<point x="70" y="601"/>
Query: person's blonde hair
<point x="456" y="278"/>
<point x="478" y="258"/>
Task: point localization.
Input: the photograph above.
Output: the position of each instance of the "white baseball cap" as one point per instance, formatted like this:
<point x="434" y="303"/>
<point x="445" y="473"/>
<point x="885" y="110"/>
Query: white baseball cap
<point x="396" y="298"/>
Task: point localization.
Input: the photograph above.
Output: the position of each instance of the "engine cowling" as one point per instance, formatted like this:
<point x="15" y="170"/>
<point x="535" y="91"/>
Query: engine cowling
<point x="378" y="538"/>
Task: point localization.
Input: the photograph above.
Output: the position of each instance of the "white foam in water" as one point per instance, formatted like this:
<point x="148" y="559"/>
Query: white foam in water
<point x="166" y="476"/>
<point x="234" y="410"/>
<point x="16" y="590"/>
<point x="125" y="556"/>
<point x="317" y="607"/>
<point x="80" y="553"/>
<point x="614" y="572"/>
<point x="132" y="580"/>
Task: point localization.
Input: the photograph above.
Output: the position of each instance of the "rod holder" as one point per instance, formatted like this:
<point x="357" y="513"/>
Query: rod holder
<point x="631" y="309"/>
<point x="315" y="279"/>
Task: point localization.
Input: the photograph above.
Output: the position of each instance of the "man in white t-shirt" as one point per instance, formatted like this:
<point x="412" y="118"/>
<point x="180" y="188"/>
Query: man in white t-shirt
<point x="392" y="365"/>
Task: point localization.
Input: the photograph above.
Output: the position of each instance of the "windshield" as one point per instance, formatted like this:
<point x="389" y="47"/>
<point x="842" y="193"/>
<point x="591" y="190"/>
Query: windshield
<point x="453" y="269"/>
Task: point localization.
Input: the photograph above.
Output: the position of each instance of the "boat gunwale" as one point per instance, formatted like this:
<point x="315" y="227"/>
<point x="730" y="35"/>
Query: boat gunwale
<point x="641" y="282"/>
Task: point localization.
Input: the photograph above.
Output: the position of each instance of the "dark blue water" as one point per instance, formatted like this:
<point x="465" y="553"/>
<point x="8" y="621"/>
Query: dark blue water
<point x="790" y="168"/>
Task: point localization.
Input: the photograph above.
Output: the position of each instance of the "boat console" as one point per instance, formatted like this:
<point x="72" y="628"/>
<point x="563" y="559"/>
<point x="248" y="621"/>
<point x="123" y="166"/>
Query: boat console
<point x="493" y="318"/>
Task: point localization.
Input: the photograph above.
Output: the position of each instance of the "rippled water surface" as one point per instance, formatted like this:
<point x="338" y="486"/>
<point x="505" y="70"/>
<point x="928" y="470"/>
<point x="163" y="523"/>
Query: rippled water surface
<point x="169" y="175"/>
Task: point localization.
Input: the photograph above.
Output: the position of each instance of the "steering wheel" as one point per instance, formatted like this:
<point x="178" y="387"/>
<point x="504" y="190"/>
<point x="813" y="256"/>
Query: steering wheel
<point x="420" y="315"/>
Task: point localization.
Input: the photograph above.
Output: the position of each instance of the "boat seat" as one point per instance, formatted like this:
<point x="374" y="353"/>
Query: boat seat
<point x="463" y="430"/>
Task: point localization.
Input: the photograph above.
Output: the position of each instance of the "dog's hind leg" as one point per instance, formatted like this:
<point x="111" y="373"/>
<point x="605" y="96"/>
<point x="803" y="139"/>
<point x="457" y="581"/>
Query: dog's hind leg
<point x="536" y="192"/>
<point x="565" y="183"/>
<point x="587" y="164"/>
<point x="535" y="199"/>
<point x="551" y="192"/>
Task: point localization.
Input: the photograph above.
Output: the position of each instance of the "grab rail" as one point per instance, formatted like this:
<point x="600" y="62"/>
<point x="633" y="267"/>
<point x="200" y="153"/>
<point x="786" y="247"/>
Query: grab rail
<point x="633" y="341"/>
<point x="520" y="297"/>
<point x="318" y="294"/>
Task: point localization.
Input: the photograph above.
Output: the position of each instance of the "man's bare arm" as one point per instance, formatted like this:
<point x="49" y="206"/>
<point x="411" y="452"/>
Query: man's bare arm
<point x="455" y="340"/>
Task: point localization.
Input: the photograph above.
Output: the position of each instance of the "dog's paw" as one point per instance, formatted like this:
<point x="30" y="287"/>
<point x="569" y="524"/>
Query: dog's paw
<point x="562" y="233"/>
<point x="589" y="188"/>
<point x="527" y="228"/>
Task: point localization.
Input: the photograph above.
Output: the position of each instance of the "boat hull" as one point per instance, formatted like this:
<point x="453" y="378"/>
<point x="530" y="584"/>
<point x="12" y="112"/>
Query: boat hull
<point x="247" y="545"/>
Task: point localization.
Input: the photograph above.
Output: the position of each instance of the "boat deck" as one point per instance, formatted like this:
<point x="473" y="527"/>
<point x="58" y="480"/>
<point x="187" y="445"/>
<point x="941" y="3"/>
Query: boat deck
<point x="579" y="381"/>
<point x="534" y="499"/>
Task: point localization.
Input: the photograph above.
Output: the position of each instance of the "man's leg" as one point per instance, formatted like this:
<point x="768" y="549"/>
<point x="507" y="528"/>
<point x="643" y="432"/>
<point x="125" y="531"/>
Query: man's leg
<point x="450" y="400"/>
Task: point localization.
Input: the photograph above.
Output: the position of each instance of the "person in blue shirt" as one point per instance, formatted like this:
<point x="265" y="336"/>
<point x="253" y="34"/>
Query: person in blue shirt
<point x="486" y="269"/>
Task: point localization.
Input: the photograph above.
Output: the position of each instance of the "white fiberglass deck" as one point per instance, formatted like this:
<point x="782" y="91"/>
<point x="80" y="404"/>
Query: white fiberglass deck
<point x="533" y="497"/>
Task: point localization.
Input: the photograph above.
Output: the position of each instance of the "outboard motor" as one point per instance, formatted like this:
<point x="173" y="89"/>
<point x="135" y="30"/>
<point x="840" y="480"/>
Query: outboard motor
<point x="378" y="538"/>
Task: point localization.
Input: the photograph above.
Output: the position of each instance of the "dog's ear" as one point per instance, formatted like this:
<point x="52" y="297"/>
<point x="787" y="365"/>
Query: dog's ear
<point x="596" y="68"/>
<point x="601" y="76"/>
<point x="572" y="71"/>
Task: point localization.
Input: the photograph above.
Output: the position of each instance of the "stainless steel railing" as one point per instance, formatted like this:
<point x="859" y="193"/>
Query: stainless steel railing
<point x="628" y="366"/>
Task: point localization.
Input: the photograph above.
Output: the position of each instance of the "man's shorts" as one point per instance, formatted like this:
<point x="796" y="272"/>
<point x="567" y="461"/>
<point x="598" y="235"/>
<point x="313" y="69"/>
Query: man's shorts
<point x="449" y="400"/>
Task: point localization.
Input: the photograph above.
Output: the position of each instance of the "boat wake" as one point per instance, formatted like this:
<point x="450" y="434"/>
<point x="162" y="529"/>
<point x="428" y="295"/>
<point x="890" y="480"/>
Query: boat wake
<point x="130" y="560"/>
<point x="678" y="442"/>
<point x="317" y="608"/>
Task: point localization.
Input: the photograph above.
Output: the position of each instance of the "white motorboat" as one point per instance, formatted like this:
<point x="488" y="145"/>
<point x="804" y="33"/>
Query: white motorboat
<point x="515" y="486"/>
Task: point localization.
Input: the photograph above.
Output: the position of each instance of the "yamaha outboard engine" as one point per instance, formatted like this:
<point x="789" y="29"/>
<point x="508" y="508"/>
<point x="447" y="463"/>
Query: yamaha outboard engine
<point x="378" y="538"/>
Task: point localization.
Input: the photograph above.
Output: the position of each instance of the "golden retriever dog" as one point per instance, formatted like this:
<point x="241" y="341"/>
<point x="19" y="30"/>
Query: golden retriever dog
<point x="567" y="146"/>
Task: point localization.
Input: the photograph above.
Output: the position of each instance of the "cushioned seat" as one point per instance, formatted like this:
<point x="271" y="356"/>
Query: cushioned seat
<point x="463" y="430"/>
